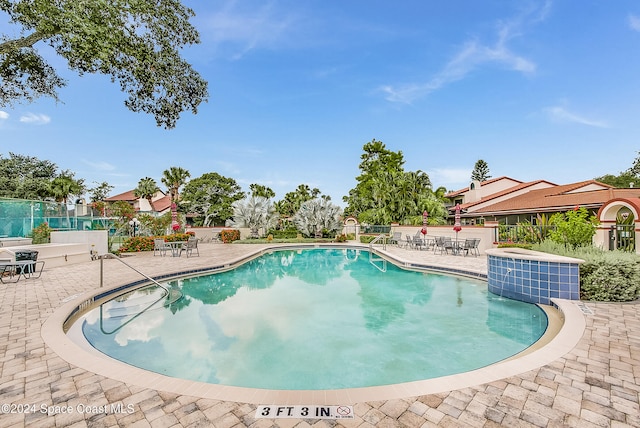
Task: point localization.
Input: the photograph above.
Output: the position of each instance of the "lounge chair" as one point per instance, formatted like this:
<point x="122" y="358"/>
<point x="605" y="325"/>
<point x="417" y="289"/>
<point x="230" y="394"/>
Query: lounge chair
<point x="160" y="247"/>
<point x="190" y="246"/>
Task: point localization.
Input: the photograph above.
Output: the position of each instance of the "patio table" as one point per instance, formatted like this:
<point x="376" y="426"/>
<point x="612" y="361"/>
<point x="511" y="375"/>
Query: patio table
<point x="176" y="247"/>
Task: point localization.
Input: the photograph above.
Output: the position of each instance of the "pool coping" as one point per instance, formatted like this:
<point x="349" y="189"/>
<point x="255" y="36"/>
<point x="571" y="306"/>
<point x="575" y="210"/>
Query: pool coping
<point x="52" y="333"/>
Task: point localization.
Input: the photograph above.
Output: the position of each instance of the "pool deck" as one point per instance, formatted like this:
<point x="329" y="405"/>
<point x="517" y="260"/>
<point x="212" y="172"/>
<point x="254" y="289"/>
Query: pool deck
<point x="594" y="384"/>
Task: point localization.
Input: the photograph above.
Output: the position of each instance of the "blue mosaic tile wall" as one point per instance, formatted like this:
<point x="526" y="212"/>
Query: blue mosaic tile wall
<point x="533" y="281"/>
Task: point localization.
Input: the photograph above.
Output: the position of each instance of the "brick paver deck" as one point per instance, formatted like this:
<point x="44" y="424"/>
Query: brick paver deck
<point x="594" y="385"/>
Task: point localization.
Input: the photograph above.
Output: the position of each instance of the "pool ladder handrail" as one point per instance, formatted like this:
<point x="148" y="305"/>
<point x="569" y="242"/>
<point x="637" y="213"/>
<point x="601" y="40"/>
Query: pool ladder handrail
<point x="372" y="251"/>
<point x="382" y="237"/>
<point x="113" y="256"/>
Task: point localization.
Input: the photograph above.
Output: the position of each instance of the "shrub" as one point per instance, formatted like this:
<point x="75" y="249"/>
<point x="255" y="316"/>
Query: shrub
<point x="351" y="236"/>
<point x="288" y="233"/>
<point x="365" y="239"/>
<point x="515" y="245"/>
<point x="174" y="237"/>
<point x="341" y="238"/>
<point x="41" y="234"/>
<point x="229" y="235"/>
<point x="136" y="244"/>
<point x="575" y="227"/>
<point x="613" y="280"/>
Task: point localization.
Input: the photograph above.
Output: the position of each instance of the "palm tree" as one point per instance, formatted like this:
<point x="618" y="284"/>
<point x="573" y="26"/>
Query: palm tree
<point x="64" y="186"/>
<point x="254" y="212"/>
<point x="317" y="214"/>
<point x="147" y="187"/>
<point x="174" y="178"/>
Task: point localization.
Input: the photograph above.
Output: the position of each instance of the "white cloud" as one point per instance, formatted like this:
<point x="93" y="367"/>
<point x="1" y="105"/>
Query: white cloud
<point x="248" y="28"/>
<point x="634" y="22"/>
<point x="37" y="119"/>
<point x="4" y="115"/>
<point x="472" y="55"/>
<point x="101" y="166"/>
<point x="560" y="114"/>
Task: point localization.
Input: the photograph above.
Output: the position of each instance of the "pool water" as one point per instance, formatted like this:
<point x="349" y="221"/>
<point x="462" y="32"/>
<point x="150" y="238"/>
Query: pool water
<point x="314" y="319"/>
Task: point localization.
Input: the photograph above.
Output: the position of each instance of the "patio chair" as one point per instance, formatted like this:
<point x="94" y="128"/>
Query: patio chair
<point x="418" y="242"/>
<point x="160" y="247"/>
<point x="396" y="238"/>
<point x="438" y="244"/>
<point x="190" y="246"/>
<point x="408" y="242"/>
<point x="449" y="245"/>
<point x="471" y="246"/>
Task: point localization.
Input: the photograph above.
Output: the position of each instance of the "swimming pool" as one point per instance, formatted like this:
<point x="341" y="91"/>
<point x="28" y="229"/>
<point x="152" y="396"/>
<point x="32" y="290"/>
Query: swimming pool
<point x="314" y="319"/>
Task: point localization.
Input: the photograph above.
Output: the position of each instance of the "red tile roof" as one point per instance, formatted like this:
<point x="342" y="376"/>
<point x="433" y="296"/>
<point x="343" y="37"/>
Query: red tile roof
<point x="559" y="198"/>
<point x="126" y="196"/>
<point x="484" y="183"/>
<point x="162" y="204"/>
<point x="493" y="196"/>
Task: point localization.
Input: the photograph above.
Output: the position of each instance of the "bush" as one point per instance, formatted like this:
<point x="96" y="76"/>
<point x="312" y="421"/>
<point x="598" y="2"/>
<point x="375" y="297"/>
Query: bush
<point x="229" y="235"/>
<point x="613" y="280"/>
<point x="136" y="244"/>
<point x="174" y="237"/>
<point x="41" y="234"/>
<point x="515" y="245"/>
<point x="608" y="276"/>
<point x="341" y="238"/>
<point x="365" y="239"/>
<point x="288" y="233"/>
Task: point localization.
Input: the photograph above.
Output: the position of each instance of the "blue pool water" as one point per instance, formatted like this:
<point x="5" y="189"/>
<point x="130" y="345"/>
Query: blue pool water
<point x="314" y="319"/>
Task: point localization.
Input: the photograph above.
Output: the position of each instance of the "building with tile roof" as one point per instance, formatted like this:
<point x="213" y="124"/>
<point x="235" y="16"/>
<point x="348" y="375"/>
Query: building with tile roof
<point x="508" y="201"/>
<point x="160" y="202"/>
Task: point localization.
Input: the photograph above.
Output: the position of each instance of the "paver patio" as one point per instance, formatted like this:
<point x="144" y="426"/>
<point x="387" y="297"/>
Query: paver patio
<point x="594" y="385"/>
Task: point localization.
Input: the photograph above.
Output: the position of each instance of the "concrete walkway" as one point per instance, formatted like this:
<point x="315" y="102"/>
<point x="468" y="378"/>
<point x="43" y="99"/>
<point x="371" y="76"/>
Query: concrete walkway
<point x="594" y="385"/>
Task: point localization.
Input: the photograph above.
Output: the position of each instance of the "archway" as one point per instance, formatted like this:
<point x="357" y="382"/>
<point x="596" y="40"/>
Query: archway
<point x="625" y="235"/>
<point x="619" y="222"/>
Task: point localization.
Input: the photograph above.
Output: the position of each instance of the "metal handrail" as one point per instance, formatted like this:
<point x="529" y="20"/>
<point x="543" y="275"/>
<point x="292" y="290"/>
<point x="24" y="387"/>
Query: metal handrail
<point x="377" y="238"/>
<point x="113" y="256"/>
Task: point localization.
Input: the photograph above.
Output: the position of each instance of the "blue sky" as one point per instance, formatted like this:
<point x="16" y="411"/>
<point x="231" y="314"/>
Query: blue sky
<point x="538" y="89"/>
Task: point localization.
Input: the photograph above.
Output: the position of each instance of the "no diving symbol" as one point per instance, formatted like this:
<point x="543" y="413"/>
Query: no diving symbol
<point x="343" y="411"/>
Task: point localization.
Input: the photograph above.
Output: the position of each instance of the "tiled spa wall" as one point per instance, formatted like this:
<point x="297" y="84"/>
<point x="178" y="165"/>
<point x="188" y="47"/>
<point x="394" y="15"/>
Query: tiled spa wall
<point x="533" y="280"/>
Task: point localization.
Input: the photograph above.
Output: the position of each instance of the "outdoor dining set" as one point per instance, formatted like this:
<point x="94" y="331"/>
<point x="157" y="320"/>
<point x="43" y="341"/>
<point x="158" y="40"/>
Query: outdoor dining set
<point x="437" y="244"/>
<point x="176" y="248"/>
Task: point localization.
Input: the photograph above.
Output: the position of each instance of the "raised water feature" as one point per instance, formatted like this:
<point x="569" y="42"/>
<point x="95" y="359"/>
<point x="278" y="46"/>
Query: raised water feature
<point x="532" y="276"/>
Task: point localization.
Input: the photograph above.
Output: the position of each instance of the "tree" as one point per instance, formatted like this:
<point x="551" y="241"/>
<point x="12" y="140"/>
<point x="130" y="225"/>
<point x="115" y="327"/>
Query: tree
<point x="385" y="192"/>
<point x="480" y="171"/>
<point x="100" y="192"/>
<point x="210" y="197"/>
<point x="575" y="227"/>
<point x="292" y="201"/>
<point x="137" y="43"/>
<point x="628" y="178"/>
<point x="263" y="191"/>
<point x="26" y="177"/>
<point x="254" y="212"/>
<point x="65" y="186"/>
<point x="147" y="188"/>
<point x="317" y="215"/>
<point x="174" y="178"/>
